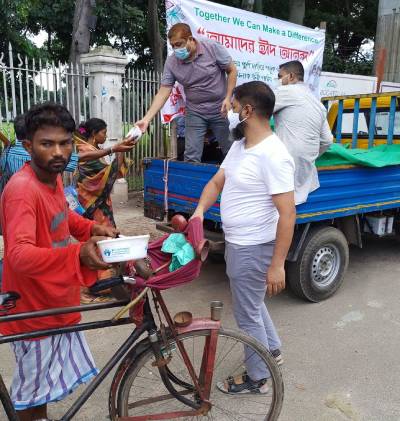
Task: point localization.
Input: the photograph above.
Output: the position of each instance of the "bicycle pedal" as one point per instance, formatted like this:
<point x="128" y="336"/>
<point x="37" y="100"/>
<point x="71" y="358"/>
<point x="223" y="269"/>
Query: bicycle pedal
<point x="161" y="362"/>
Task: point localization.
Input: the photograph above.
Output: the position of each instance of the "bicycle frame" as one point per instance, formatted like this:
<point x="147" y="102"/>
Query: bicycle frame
<point x="124" y="348"/>
<point x="202" y="384"/>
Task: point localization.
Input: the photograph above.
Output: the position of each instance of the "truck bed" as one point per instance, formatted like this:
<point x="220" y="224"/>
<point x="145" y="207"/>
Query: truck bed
<point x="344" y="191"/>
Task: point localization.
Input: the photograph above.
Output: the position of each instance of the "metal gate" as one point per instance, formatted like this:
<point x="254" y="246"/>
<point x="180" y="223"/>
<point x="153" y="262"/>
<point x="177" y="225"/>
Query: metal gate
<point x="138" y="90"/>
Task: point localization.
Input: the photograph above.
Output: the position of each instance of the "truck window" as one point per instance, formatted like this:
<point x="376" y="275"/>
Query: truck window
<point x="347" y="123"/>
<point x="382" y="123"/>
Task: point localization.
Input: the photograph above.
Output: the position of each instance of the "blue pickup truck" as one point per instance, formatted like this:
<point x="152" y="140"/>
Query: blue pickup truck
<point x="359" y="194"/>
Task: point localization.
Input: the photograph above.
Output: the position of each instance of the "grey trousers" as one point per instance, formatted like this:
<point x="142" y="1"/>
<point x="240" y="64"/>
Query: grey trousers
<point x="246" y="267"/>
<point x="196" y="126"/>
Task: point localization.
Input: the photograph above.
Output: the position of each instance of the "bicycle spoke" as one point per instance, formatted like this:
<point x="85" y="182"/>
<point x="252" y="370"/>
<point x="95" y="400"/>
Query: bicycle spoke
<point x="221" y="351"/>
<point x="143" y="391"/>
<point x="227" y="355"/>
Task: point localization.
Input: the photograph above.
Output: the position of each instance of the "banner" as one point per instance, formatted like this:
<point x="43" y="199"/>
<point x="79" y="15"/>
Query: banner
<point x="175" y="104"/>
<point x="258" y="44"/>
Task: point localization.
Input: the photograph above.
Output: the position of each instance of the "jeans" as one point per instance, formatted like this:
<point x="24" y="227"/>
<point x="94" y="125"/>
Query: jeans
<point x="196" y="127"/>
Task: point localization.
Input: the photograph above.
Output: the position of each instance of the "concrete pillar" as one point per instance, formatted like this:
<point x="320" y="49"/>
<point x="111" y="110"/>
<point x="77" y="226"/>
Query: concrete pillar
<point x="106" y="67"/>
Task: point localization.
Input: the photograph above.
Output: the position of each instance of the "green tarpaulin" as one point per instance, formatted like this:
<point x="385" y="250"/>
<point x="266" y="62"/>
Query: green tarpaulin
<point x="378" y="156"/>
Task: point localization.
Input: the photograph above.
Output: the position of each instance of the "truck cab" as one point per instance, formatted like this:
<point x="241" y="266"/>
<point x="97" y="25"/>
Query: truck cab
<point x="363" y="109"/>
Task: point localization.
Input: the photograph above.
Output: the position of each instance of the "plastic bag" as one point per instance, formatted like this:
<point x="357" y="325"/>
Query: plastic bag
<point x="181" y="250"/>
<point x="72" y="198"/>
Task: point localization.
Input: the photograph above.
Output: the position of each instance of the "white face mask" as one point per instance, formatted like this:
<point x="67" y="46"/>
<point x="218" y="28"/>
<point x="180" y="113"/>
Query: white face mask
<point x="235" y="125"/>
<point x="234" y="119"/>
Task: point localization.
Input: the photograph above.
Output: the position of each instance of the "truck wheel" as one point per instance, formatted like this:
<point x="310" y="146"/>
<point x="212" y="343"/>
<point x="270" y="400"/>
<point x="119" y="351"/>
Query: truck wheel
<point x="321" y="265"/>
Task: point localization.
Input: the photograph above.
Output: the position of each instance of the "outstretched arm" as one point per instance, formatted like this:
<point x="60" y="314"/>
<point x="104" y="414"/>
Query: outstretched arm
<point x="158" y="102"/>
<point x="210" y="194"/>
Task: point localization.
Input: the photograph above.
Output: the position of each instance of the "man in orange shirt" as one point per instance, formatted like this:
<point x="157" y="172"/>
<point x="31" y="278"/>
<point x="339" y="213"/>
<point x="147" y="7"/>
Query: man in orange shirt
<point x="45" y="267"/>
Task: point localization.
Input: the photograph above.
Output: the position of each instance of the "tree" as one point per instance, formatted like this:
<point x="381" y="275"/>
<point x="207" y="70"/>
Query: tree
<point x="297" y="10"/>
<point x="14" y="16"/>
<point x="252" y="5"/>
<point x="156" y="43"/>
<point x="84" y="21"/>
<point x="137" y="28"/>
<point x="350" y="25"/>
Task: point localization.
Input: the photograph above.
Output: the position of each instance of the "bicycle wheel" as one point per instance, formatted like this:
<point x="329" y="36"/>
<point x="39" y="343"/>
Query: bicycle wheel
<point x="142" y="392"/>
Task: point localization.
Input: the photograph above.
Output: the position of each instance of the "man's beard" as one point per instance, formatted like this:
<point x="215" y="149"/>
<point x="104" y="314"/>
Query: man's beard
<point x="54" y="166"/>
<point x="57" y="165"/>
<point x="238" y="132"/>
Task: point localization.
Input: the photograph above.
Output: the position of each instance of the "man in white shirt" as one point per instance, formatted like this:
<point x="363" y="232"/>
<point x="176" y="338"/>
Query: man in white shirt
<point x="258" y="216"/>
<point x="300" y="122"/>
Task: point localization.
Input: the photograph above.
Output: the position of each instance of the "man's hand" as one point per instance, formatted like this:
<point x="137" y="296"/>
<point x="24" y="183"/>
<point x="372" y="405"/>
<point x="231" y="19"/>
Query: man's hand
<point x="275" y="280"/>
<point x="198" y="213"/>
<point x="226" y="106"/>
<point x="104" y="231"/>
<point x="89" y="257"/>
<point x="143" y="124"/>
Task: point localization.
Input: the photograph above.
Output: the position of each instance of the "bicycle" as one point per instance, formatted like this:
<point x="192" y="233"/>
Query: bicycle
<point x="173" y="372"/>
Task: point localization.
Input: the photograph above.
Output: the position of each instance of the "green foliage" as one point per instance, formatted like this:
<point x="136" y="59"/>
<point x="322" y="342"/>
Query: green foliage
<point x="123" y="25"/>
<point x="14" y="28"/>
<point x="350" y="24"/>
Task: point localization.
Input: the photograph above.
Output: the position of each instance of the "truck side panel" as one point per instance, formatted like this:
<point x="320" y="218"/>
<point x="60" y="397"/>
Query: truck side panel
<point x="343" y="192"/>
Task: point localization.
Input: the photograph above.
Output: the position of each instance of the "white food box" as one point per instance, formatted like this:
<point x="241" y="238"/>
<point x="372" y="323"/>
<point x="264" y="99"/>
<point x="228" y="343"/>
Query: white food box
<point x="134" y="132"/>
<point x="115" y="250"/>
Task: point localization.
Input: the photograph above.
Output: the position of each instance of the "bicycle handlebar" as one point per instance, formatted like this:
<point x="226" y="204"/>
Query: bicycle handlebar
<point x="106" y="284"/>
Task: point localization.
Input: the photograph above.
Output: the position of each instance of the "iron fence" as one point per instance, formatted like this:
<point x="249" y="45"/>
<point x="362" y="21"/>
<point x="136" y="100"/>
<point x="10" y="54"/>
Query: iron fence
<point x="138" y="90"/>
<point x="25" y="82"/>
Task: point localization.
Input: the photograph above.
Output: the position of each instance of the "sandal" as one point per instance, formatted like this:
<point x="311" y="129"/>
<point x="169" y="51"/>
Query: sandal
<point x="87" y="298"/>
<point x="243" y="384"/>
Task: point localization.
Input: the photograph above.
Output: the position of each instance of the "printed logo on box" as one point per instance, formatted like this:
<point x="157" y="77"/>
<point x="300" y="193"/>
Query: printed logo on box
<point x="116" y="252"/>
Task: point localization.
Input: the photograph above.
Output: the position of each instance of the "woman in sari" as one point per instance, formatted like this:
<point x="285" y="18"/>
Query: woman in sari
<point x="96" y="178"/>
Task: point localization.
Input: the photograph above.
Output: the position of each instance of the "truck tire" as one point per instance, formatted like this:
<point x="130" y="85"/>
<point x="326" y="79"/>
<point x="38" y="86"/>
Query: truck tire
<point x="322" y="263"/>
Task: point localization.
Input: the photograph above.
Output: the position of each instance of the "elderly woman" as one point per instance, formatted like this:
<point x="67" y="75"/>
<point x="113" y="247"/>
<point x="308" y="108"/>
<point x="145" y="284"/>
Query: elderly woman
<point x="96" y="177"/>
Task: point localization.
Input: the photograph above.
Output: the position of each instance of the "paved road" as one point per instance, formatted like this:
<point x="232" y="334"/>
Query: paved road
<point x="341" y="355"/>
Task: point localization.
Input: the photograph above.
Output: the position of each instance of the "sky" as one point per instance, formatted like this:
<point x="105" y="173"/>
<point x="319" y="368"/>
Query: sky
<point x="38" y="39"/>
